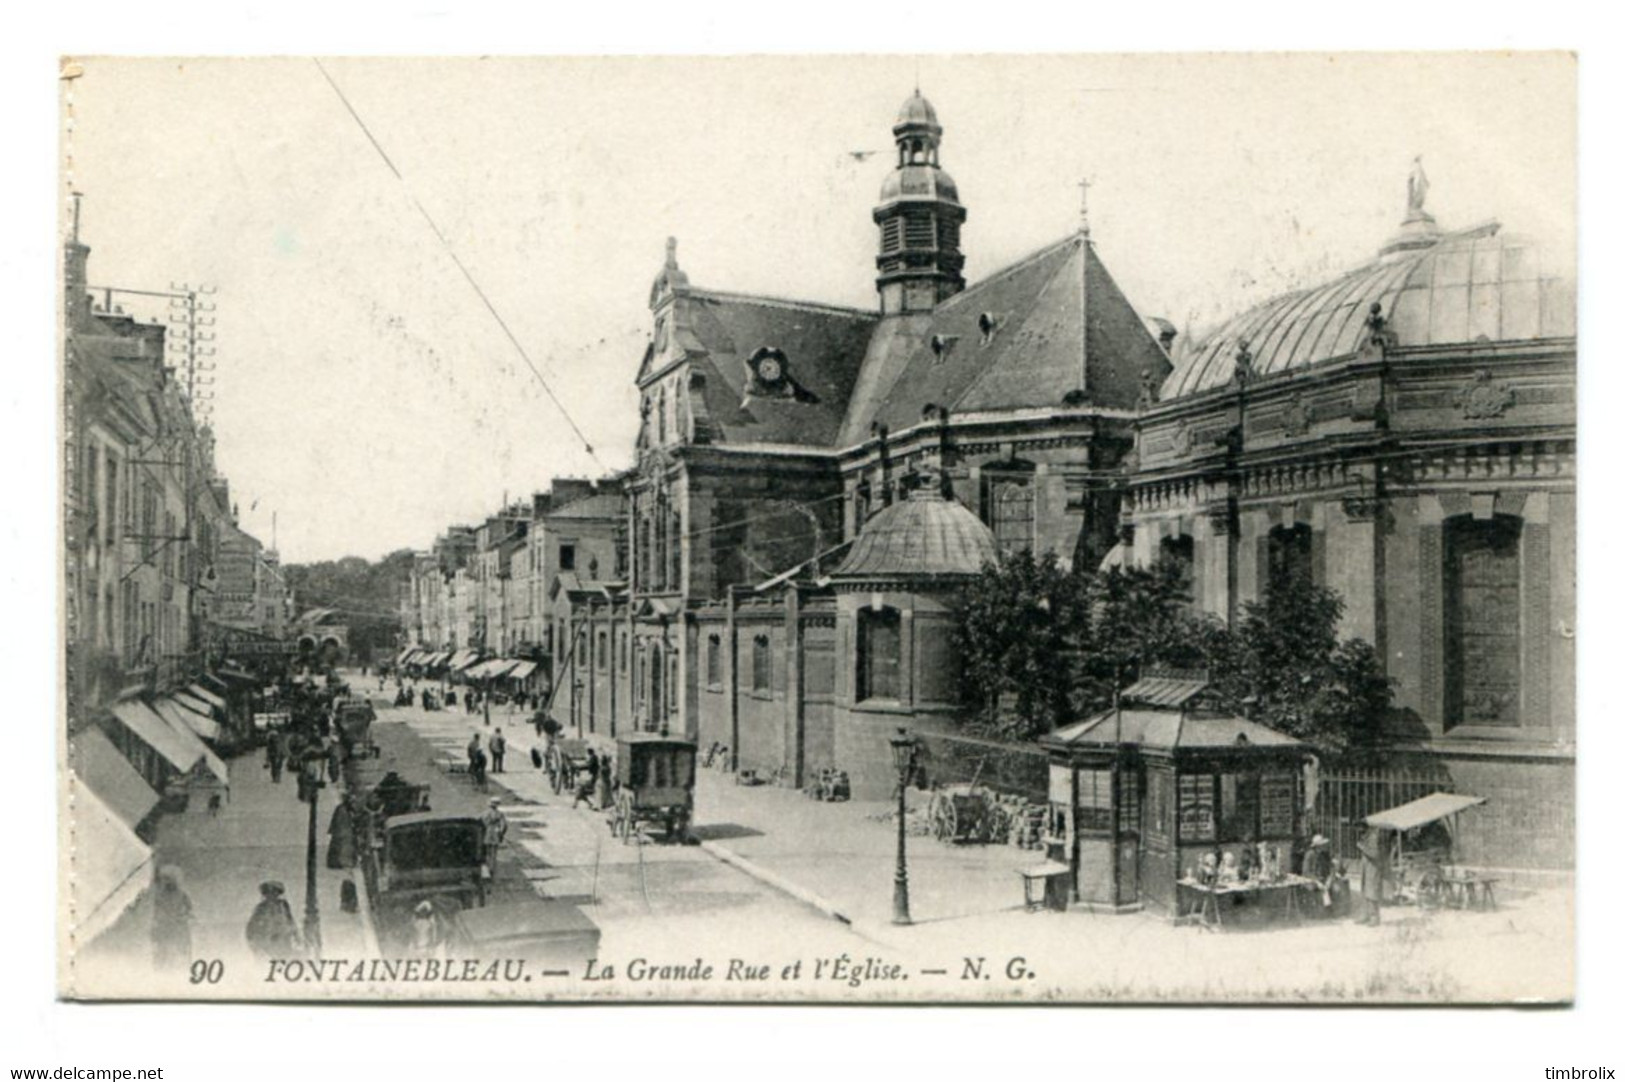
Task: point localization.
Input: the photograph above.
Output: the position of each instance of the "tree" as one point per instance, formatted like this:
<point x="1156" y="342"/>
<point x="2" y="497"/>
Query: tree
<point x="1290" y="671"/>
<point x="1022" y="629"/>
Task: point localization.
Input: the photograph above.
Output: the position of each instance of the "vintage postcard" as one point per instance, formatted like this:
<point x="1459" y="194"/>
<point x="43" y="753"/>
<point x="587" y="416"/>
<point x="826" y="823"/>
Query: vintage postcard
<point x="979" y="529"/>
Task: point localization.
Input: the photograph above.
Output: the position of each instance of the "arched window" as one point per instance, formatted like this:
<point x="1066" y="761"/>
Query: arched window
<point x="1290" y="556"/>
<point x="713" y="661"/>
<point x="880" y="654"/>
<point x="761" y="664"/>
<point x="1179" y="549"/>
<point x="1483" y="640"/>
<point x="1012" y="514"/>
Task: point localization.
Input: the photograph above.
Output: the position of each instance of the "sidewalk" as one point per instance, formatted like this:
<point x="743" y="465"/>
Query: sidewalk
<point x="966" y="905"/>
<point x="845" y="854"/>
<point x="258" y="835"/>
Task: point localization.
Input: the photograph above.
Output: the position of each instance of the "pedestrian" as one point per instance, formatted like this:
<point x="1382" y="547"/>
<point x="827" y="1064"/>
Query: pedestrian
<point x="335" y="759"/>
<point x="1317" y="867"/>
<point x="1373" y="871"/>
<point x="341" y="835"/>
<point x="606" y="783"/>
<point x="499" y="748"/>
<point x="588" y="782"/>
<point x="428" y="937"/>
<point x="171" y="921"/>
<point x="496" y="830"/>
<point x="271" y="931"/>
<point x="473" y="746"/>
<point x="276" y="753"/>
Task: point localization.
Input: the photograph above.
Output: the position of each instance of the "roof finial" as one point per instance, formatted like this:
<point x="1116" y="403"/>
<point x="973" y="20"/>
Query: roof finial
<point x="671" y="251"/>
<point x="1083" y="205"/>
<point x="77" y="196"/>
<point x="916" y="76"/>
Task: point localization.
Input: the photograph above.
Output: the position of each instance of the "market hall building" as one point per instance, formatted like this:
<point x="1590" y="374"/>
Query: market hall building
<point x="815" y="483"/>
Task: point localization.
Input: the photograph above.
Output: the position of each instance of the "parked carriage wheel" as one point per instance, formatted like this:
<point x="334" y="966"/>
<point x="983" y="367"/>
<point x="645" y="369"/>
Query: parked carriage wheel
<point x="946" y="820"/>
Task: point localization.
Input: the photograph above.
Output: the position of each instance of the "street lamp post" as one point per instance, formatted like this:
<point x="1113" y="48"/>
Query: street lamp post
<point x="312" y="777"/>
<point x="903" y="750"/>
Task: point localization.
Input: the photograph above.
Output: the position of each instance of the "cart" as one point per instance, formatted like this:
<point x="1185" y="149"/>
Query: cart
<point x="563" y="760"/>
<point x="961" y="814"/>
<point x="655" y="783"/>
<point x="1421" y="840"/>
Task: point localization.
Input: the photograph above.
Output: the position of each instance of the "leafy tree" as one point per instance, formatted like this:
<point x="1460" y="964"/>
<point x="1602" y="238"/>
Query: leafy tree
<point x="1297" y="676"/>
<point x="1022" y="628"/>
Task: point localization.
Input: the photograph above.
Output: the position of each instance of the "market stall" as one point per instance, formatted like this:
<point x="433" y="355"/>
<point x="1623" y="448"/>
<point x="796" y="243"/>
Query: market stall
<point x="1144" y="795"/>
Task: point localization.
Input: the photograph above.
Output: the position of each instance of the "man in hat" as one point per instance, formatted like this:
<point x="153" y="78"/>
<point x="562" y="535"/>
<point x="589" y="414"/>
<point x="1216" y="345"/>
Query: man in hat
<point x="1373" y="872"/>
<point x="1317" y="865"/>
<point x="499" y="748"/>
<point x="272" y="932"/>
<point x="496" y="829"/>
<point x="171" y="921"/>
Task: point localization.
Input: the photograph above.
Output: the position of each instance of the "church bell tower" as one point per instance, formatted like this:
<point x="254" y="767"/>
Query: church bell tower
<point x="919" y="217"/>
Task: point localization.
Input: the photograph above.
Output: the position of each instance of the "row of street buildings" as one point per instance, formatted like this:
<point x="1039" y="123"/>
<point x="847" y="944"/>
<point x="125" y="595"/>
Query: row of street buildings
<point x="814" y="484"/>
<point x="167" y="602"/>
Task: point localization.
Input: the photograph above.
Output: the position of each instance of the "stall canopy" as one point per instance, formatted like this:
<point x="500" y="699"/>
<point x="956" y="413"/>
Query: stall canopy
<point x="192" y="702"/>
<point x="111" y="866"/>
<point x="159" y="735"/>
<point x="109" y="774"/>
<point x="207" y="696"/>
<point x="180" y="715"/>
<point x="1419" y="813"/>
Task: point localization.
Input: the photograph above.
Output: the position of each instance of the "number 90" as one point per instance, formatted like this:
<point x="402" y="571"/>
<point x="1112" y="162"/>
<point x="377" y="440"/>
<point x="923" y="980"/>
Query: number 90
<point x="208" y="971"/>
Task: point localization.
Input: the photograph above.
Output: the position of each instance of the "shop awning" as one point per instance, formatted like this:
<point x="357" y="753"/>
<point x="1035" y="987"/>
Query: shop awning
<point x="521" y="670"/>
<point x="1419" y="813"/>
<point x="238" y="675"/>
<point x="192" y="702"/>
<point x="410" y="657"/>
<point x="179" y="715"/>
<point x="102" y="767"/>
<point x="159" y="734"/>
<point x="503" y="667"/>
<point x="207" y="696"/>
<point x="478" y="671"/>
<point x="462" y="659"/>
<point x="111" y="867"/>
<point x="212" y="762"/>
<point x="404" y="654"/>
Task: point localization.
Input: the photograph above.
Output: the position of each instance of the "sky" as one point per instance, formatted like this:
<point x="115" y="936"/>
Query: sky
<point x="365" y="395"/>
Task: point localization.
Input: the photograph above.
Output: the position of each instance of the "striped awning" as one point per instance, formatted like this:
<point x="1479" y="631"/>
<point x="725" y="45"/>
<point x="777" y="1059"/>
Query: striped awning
<point x="179" y="714"/>
<point x="101" y="766"/>
<point x="159" y="735"/>
<point x="206" y="695"/>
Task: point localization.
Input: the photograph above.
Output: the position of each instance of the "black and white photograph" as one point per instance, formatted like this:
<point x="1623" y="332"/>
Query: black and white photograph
<point x="889" y="528"/>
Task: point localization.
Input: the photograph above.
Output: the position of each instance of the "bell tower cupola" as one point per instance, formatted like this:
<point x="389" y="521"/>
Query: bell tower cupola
<point x="919" y="215"/>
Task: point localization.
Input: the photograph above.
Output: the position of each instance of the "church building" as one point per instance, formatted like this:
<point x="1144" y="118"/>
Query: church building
<point x="813" y="483"/>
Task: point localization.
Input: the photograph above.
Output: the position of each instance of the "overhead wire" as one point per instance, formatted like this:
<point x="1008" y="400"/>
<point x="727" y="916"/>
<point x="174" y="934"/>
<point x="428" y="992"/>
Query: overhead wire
<point x="468" y="276"/>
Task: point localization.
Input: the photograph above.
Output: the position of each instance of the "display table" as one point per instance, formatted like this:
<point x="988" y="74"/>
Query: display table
<point x="1199" y="902"/>
<point x="1040" y="883"/>
<point x="1468" y="890"/>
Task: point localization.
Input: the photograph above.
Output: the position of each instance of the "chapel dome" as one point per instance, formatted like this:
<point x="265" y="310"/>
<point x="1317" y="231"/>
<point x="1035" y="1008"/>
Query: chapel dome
<point x="919" y="182"/>
<point x="1479" y="284"/>
<point x="924" y="536"/>
<point x="916" y="111"/>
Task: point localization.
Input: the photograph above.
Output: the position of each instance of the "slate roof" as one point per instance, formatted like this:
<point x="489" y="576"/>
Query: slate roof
<point x="925" y="535"/>
<point x="1476" y="283"/>
<point x="823" y="347"/>
<point x="1038" y="350"/>
<point x="1166" y="730"/>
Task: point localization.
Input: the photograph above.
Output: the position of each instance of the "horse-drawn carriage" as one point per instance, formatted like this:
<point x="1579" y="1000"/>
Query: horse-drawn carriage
<point x="655" y="783"/>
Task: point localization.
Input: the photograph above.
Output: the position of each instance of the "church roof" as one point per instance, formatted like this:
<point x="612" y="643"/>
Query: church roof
<point x="822" y="346"/>
<point x="925" y="536"/>
<point x="1049" y="324"/>
<point x="1477" y="284"/>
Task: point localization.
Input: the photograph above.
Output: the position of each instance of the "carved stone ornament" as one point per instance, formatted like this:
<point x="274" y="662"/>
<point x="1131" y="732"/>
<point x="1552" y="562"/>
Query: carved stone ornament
<point x="1182" y="439"/>
<point x="1362" y="508"/>
<point x="1295" y="417"/>
<point x="1485" y="397"/>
